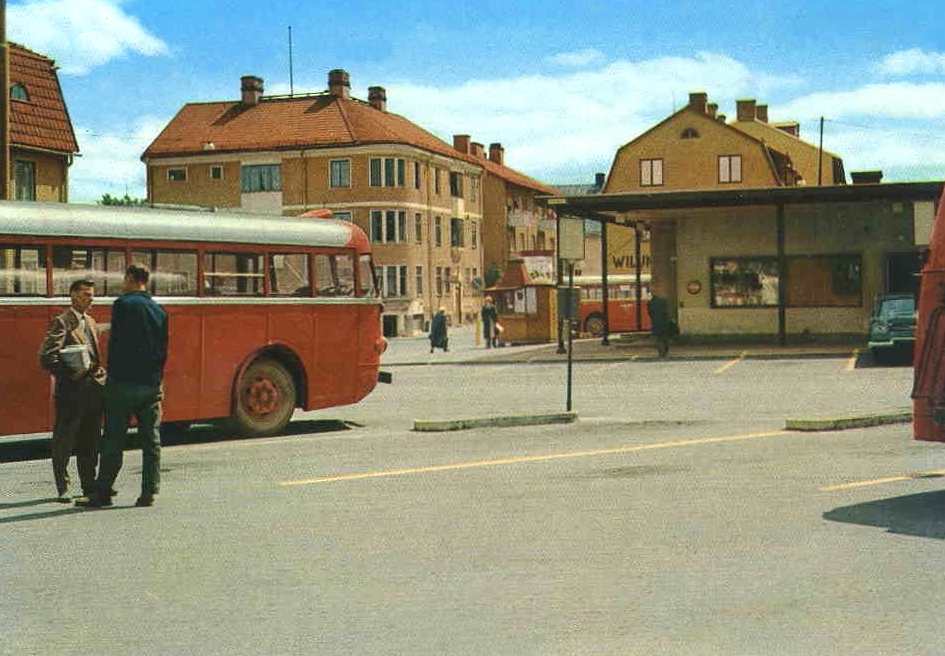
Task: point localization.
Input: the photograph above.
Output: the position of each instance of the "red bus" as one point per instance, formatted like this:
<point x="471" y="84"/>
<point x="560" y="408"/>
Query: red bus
<point x="621" y="303"/>
<point x="928" y="391"/>
<point x="266" y="314"/>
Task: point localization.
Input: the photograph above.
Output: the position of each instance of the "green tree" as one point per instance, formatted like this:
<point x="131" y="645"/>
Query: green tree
<point x="108" y="199"/>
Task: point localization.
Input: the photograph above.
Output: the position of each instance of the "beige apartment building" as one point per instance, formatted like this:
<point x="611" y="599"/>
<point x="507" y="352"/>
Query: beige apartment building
<point x="42" y="140"/>
<point x="419" y="200"/>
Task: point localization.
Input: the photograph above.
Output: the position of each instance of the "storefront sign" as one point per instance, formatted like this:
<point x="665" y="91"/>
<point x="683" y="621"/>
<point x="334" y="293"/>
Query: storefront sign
<point x="540" y="268"/>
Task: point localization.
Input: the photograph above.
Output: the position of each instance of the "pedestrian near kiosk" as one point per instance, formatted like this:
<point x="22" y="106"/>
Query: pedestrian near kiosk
<point x="490" y="321"/>
<point x="137" y="351"/>
<point x="660" y="321"/>
<point x="438" y="331"/>
<point x="70" y="352"/>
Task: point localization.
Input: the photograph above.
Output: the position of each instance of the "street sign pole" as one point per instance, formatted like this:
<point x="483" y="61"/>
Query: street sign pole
<point x="570" y="320"/>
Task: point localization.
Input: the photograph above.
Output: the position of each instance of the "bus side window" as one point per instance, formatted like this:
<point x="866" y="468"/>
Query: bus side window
<point x="288" y="274"/>
<point x="334" y="275"/>
<point x="104" y="266"/>
<point x="233" y="274"/>
<point x="366" y="275"/>
<point x="173" y="273"/>
<point x="22" y="271"/>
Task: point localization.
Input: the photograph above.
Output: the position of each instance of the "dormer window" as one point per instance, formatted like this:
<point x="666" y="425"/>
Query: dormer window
<point x="18" y="92"/>
<point x="689" y="133"/>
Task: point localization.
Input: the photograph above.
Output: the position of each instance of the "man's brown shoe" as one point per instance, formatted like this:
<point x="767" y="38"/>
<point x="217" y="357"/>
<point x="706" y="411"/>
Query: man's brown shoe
<point x="94" y="501"/>
<point x="145" y="500"/>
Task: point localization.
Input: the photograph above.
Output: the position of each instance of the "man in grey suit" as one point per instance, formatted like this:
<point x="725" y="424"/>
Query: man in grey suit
<point x="78" y="392"/>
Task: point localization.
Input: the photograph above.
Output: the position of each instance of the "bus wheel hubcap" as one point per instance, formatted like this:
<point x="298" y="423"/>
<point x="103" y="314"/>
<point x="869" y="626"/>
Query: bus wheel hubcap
<point x="262" y="397"/>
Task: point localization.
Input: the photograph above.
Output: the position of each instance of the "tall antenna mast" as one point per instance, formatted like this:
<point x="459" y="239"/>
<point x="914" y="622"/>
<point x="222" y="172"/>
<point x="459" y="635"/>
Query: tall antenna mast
<point x="291" y="84"/>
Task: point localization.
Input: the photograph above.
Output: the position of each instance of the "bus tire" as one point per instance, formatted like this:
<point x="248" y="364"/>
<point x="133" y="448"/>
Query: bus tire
<point x="594" y="325"/>
<point x="265" y="398"/>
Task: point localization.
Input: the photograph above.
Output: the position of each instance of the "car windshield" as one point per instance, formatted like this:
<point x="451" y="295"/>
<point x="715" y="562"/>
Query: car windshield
<point x="897" y="306"/>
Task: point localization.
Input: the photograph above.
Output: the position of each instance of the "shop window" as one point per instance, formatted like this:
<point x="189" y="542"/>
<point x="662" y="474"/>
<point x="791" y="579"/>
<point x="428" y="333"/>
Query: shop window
<point x="22" y="271"/>
<point x="744" y="282"/>
<point x="825" y="281"/>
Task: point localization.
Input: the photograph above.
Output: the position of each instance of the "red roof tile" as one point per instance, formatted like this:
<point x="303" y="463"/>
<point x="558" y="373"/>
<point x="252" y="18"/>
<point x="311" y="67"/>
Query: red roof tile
<point x="313" y="121"/>
<point x="43" y="120"/>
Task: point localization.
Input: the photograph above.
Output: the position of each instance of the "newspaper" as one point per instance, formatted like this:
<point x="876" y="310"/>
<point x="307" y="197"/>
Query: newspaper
<point x="76" y="357"/>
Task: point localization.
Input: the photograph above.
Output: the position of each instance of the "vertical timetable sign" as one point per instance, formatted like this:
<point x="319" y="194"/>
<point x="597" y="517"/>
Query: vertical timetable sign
<point x="571" y="239"/>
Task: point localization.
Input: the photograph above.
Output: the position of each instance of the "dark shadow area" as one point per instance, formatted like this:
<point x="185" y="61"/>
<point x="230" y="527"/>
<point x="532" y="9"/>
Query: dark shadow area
<point x="68" y="510"/>
<point x="26" y="504"/>
<point x="921" y="515"/>
<point x="895" y="357"/>
<point x="40" y="448"/>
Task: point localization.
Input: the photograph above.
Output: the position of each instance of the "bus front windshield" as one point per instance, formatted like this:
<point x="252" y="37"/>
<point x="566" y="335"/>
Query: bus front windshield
<point x="366" y="276"/>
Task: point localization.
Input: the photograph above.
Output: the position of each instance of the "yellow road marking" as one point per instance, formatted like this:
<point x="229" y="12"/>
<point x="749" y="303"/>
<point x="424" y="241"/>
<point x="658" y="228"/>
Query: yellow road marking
<point x="539" y="458"/>
<point x="889" y="479"/>
<point x="728" y="365"/>
<point x="851" y="363"/>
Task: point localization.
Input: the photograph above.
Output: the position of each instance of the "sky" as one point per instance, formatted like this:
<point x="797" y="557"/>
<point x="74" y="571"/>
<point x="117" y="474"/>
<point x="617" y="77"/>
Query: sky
<point x="561" y="84"/>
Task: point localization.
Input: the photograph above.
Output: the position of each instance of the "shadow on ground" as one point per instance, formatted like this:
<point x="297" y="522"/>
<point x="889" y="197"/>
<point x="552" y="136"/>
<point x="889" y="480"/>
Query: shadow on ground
<point x="921" y="515"/>
<point x="896" y="357"/>
<point x="39" y="448"/>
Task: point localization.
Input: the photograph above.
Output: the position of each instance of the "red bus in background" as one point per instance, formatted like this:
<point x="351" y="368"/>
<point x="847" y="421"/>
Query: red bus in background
<point x="621" y="303"/>
<point x="266" y="314"/>
<point x="928" y="391"/>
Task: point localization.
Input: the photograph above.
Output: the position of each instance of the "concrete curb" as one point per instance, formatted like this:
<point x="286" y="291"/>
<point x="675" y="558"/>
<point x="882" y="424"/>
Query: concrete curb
<point x="430" y="426"/>
<point x="560" y="359"/>
<point x="843" y="423"/>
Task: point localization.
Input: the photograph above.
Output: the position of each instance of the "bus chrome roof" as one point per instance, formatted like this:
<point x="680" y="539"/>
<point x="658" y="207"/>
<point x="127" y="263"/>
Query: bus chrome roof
<point x="144" y="223"/>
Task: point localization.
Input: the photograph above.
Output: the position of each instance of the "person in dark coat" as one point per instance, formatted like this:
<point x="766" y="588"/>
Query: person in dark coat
<point x="660" y="321"/>
<point x="438" y="336"/>
<point x="490" y="319"/>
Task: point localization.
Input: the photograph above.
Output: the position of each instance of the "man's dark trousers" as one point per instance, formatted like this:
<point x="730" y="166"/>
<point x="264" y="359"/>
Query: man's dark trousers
<point x="122" y="400"/>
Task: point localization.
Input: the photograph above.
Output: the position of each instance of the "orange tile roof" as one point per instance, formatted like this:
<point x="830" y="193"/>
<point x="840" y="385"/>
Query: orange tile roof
<point x="43" y="120"/>
<point x="311" y="121"/>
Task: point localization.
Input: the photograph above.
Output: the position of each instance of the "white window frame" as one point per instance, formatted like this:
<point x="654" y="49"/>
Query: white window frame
<point x="399" y="167"/>
<point x="212" y="168"/>
<point x="400" y="273"/>
<point x="331" y="177"/>
<point x="651" y="172"/>
<point x="400" y="226"/>
<point x="730" y="169"/>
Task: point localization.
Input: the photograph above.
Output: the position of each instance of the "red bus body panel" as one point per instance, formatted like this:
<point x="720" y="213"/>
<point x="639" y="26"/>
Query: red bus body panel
<point x="929" y="387"/>
<point x="622" y="314"/>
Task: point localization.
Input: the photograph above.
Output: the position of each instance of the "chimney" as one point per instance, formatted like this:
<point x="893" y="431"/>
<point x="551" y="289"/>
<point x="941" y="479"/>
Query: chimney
<point x="793" y="128"/>
<point x="478" y="150"/>
<point x="712" y="109"/>
<point x="698" y="100"/>
<point x="461" y="143"/>
<point x="745" y="109"/>
<point x="720" y="118"/>
<point x="866" y="177"/>
<point x="251" y="88"/>
<point x="339" y="84"/>
<point x="761" y="113"/>
<point x="377" y="97"/>
<point x="497" y="153"/>
<point x="599" y="180"/>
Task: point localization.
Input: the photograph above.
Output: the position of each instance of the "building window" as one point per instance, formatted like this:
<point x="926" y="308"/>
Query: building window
<point x="387" y="172"/>
<point x="340" y="172"/>
<point x="177" y="175"/>
<point x="473" y="189"/>
<point x="689" y="133"/>
<point x="24" y="179"/>
<point x="394" y="280"/>
<point x="744" y="281"/>
<point x="456" y="232"/>
<point x="438" y="231"/>
<point x="473" y="235"/>
<point x="730" y="168"/>
<point x="436" y="181"/>
<point x="388" y="226"/>
<point x="824" y="281"/>
<point x="416" y="175"/>
<point x="260" y="177"/>
<point x="418" y="282"/>
<point x="19" y="92"/>
<point x="418" y="228"/>
<point x="447" y="280"/>
<point x="439" y="281"/>
<point x="216" y="172"/>
<point x="651" y="172"/>
<point x="341" y="216"/>
<point x="456" y="184"/>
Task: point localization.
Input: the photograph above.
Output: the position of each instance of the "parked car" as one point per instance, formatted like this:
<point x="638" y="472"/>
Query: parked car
<point x="892" y="324"/>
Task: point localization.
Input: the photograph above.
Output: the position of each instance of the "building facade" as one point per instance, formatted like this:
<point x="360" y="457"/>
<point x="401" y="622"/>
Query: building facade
<point x="419" y="200"/>
<point x="42" y="140"/>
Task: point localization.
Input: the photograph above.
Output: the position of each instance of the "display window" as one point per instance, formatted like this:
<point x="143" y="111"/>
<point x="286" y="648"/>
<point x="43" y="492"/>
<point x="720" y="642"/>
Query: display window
<point x="744" y="281"/>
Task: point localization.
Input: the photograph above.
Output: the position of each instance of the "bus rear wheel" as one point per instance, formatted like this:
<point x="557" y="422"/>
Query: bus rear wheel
<point x="265" y="399"/>
<point x="594" y="325"/>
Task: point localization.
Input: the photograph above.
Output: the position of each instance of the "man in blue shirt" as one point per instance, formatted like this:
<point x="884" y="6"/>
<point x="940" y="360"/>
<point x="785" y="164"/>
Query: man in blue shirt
<point x="137" y="351"/>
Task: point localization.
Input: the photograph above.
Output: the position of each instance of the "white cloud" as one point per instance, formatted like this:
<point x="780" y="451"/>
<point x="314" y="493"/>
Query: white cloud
<point x="911" y="62"/>
<point x="80" y="34"/>
<point x="576" y="57"/>
<point x="905" y="100"/>
<point x="111" y="161"/>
